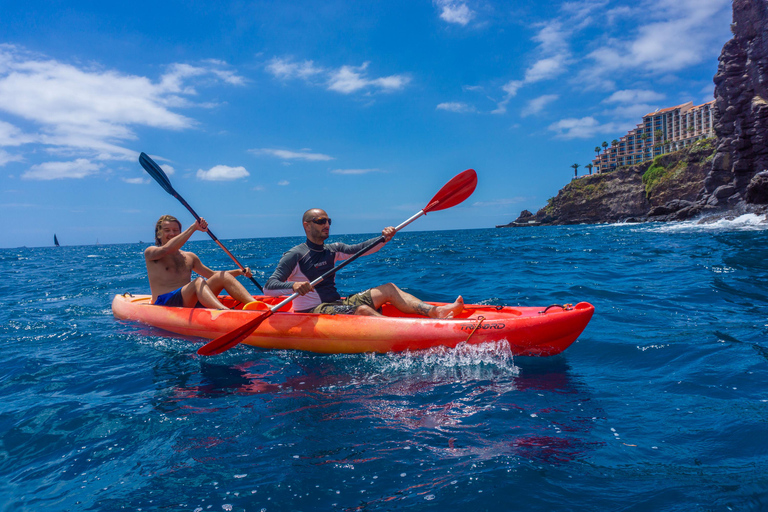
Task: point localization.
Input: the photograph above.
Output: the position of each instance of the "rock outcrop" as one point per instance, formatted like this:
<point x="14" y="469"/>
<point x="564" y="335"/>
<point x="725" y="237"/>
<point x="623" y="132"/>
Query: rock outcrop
<point x="665" y="189"/>
<point x="741" y="119"/>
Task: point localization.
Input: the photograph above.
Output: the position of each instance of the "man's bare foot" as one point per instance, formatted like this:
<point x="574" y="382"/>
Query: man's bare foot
<point x="448" y="310"/>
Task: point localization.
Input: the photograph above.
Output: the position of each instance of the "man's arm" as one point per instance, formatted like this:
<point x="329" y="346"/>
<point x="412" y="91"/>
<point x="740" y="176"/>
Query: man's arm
<point x="199" y="267"/>
<point x="278" y="283"/>
<point x="344" y="251"/>
<point x="154" y="252"/>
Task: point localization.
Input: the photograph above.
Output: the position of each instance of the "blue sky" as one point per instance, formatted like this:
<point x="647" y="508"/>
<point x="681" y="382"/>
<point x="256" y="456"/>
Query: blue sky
<point x="261" y="110"/>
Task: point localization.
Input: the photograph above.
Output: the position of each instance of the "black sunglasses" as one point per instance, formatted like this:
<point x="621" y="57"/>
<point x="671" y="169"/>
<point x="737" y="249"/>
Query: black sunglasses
<point x="321" y="222"/>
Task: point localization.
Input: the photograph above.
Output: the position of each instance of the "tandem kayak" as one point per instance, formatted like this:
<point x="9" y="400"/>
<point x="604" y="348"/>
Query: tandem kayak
<point x="530" y="331"/>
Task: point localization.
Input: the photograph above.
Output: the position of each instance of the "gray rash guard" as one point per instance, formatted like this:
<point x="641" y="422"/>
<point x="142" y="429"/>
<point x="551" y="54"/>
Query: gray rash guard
<point x="307" y="262"/>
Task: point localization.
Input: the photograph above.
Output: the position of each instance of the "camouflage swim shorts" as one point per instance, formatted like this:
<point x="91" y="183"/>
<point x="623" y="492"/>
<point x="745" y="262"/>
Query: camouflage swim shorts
<point x="346" y="306"/>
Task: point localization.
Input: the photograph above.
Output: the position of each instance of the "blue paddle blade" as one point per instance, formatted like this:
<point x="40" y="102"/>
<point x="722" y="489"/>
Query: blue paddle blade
<point x="156" y="172"/>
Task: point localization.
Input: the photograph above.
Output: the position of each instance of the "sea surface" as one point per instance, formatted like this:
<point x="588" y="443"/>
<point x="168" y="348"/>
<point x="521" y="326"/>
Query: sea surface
<point x="661" y="405"/>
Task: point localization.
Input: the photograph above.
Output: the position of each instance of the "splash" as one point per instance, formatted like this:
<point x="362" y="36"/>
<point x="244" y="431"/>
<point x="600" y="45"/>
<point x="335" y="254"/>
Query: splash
<point x="493" y="356"/>
<point x="746" y="222"/>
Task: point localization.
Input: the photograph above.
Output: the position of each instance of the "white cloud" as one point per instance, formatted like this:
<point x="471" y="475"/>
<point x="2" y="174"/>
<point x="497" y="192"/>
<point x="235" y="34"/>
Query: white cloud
<point x="89" y="110"/>
<point x="349" y="79"/>
<point x="552" y="38"/>
<point x="135" y="181"/>
<point x="510" y="88"/>
<point x="284" y="183"/>
<point x="287" y="69"/>
<point x="222" y="173"/>
<point x="168" y="169"/>
<point x="555" y="57"/>
<point x="452" y="11"/>
<point x="177" y="74"/>
<point x="634" y="96"/>
<point x="585" y="128"/>
<point x="456" y="107"/>
<point x="285" y="154"/>
<point x="633" y="111"/>
<point x="651" y="37"/>
<point x="632" y="104"/>
<point x="536" y="105"/>
<point x="6" y="157"/>
<point x="346" y="79"/>
<point x="355" y="171"/>
<point x="80" y="168"/>
<point x="580" y="10"/>
<point x="671" y="35"/>
<point x="545" y="69"/>
<point x="11" y="135"/>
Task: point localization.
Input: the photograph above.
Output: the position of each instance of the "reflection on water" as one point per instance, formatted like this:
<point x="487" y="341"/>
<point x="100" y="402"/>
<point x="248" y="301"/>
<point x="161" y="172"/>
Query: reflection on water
<point x="433" y="405"/>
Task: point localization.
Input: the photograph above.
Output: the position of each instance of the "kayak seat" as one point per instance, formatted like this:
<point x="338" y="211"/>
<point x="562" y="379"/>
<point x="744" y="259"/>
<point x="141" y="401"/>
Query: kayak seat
<point x="255" y="305"/>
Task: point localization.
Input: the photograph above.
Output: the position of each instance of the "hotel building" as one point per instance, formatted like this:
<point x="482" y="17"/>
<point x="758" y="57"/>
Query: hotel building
<point x="663" y="131"/>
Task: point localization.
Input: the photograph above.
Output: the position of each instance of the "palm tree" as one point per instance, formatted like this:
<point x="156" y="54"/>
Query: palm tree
<point x="575" y="170"/>
<point x="657" y="135"/>
<point x="589" y="166"/>
<point x="614" y="145"/>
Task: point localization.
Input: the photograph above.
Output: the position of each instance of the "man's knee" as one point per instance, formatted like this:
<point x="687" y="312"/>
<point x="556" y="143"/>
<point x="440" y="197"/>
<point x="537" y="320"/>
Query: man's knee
<point x="365" y="311"/>
<point x="388" y="289"/>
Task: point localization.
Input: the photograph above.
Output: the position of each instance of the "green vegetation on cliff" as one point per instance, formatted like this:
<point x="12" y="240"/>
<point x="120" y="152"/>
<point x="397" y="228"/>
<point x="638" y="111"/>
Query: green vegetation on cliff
<point x="577" y="191"/>
<point x="672" y="166"/>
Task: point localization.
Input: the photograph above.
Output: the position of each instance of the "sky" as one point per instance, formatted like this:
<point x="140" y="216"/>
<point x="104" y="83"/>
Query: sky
<point x="258" y="111"/>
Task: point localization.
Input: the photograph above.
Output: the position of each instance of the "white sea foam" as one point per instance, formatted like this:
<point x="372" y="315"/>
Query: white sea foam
<point x="746" y="222"/>
<point x="464" y="357"/>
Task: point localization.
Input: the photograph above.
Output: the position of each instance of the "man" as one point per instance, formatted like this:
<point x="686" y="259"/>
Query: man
<point x="169" y="270"/>
<point x="308" y="261"/>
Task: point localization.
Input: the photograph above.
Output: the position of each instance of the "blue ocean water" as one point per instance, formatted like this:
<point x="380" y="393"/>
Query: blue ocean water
<point x="660" y="405"/>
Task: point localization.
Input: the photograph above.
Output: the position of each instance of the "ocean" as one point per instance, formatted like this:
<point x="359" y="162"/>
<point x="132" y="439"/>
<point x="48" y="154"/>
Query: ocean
<point x="661" y="405"/>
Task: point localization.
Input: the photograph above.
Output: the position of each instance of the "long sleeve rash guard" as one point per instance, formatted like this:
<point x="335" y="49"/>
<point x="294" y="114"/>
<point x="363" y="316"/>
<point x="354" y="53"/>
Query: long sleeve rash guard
<point x="307" y="262"/>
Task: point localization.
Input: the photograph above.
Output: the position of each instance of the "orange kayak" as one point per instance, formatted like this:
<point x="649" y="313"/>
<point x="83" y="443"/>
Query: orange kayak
<point x="530" y="331"/>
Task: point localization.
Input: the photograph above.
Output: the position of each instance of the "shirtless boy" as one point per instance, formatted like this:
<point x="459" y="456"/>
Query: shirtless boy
<point x="169" y="270"/>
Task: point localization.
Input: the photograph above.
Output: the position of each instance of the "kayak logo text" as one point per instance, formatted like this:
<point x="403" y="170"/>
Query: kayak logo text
<point x="472" y="327"/>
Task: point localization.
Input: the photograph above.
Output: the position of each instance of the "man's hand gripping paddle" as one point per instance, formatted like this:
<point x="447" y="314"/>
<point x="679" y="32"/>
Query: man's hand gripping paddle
<point x="156" y="172"/>
<point x="454" y="192"/>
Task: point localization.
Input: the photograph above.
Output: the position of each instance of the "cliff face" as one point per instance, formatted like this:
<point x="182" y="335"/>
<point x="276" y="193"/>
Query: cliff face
<point x="741" y="121"/>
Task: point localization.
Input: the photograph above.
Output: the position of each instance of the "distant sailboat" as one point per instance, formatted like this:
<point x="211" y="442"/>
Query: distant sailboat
<point x="55" y="240"/>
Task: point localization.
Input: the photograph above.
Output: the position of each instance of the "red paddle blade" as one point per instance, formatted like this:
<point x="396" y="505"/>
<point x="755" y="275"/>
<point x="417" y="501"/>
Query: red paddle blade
<point x="233" y="337"/>
<point x="455" y="191"/>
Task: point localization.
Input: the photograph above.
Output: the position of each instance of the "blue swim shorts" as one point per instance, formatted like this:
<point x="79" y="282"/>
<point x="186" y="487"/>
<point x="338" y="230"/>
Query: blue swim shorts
<point x="172" y="299"/>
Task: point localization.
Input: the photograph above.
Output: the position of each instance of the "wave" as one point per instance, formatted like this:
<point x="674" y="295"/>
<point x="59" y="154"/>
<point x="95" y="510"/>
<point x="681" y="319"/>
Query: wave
<point x="746" y="222"/>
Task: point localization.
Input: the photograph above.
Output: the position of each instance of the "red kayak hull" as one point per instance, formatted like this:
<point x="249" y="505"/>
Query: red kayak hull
<point x="530" y="331"/>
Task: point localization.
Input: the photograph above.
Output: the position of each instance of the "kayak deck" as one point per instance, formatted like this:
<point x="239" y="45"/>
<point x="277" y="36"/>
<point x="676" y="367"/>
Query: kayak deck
<point x="530" y="331"/>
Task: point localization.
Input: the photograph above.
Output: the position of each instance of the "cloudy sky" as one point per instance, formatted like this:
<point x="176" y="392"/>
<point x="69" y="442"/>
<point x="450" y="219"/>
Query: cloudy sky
<point x="260" y="110"/>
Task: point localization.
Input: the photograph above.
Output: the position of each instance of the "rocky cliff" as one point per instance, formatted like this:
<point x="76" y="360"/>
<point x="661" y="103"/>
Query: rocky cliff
<point x="715" y="178"/>
<point x="741" y="122"/>
<point x="666" y="188"/>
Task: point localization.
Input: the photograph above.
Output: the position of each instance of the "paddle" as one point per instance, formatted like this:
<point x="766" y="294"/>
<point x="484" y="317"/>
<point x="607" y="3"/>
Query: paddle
<point x="156" y="172"/>
<point x="454" y="192"/>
